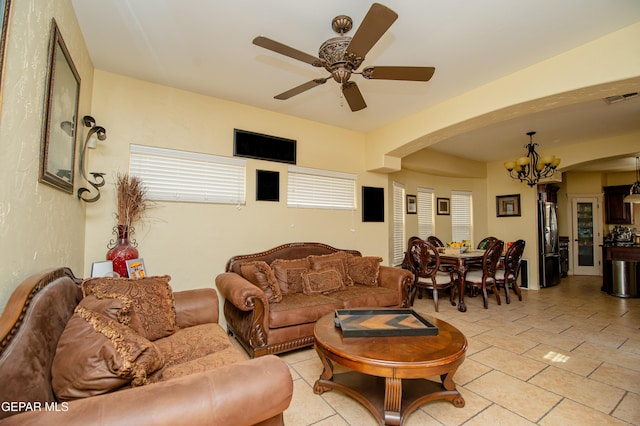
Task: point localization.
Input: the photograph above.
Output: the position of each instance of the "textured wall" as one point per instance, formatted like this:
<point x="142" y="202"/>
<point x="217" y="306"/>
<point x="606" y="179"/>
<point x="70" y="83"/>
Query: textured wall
<point x="40" y="226"/>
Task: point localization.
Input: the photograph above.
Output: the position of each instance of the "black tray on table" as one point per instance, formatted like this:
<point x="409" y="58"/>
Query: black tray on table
<point x="383" y="322"/>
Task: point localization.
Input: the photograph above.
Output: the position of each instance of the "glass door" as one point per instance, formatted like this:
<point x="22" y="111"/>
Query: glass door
<point x="586" y="233"/>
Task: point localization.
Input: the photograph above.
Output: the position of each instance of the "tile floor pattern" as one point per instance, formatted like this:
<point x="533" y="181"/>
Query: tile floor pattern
<point x="565" y="355"/>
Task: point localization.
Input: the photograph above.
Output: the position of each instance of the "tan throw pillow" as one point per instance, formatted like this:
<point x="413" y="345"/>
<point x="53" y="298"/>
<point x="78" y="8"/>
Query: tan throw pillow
<point x="337" y="261"/>
<point x="96" y="355"/>
<point x="289" y="274"/>
<point x="321" y="282"/>
<point x="364" y="270"/>
<point x="152" y="301"/>
<point x="117" y="307"/>
<point x="261" y="275"/>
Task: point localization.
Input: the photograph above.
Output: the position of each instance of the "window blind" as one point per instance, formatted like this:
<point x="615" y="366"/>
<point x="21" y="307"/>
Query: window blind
<point x="173" y="175"/>
<point x="321" y="189"/>
<point x="398" y="223"/>
<point x="461" y="215"/>
<point x="425" y="212"/>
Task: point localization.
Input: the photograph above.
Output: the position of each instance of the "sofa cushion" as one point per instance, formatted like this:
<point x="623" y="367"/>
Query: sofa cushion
<point x="96" y="355"/>
<point x="337" y="260"/>
<point x="324" y="281"/>
<point x="194" y="342"/>
<point x="364" y="270"/>
<point x="289" y="274"/>
<point x="260" y="274"/>
<point x="299" y="309"/>
<point x="195" y="349"/>
<point x="152" y="300"/>
<point x="359" y="296"/>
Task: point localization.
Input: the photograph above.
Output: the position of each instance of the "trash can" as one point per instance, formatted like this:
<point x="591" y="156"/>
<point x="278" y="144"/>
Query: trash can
<point x="624" y="277"/>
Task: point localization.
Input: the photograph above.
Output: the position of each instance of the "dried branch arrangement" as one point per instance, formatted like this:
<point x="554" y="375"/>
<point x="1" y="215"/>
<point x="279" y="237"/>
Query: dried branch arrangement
<point x="132" y="199"/>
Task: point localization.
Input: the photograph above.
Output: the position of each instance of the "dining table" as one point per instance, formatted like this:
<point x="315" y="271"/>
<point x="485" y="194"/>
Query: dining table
<point x="460" y="263"/>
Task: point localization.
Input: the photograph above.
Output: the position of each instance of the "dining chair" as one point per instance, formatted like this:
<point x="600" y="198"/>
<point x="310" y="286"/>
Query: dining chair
<point x="425" y="262"/>
<point x="485" y="242"/>
<point x="435" y="241"/>
<point x="406" y="262"/>
<point x="486" y="277"/>
<point x="508" y="274"/>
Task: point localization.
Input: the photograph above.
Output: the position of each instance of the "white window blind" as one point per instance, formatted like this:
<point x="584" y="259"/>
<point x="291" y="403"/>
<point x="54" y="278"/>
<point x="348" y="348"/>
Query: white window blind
<point x="398" y="223"/>
<point x="425" y="212"/>
<point x="320" y="189"/>
<point x="461" y="215"/>
<point x="173" y="175"/>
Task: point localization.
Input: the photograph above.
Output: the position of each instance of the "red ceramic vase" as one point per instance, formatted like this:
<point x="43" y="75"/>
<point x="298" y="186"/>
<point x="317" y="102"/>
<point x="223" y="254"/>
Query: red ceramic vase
<point x="122" y="252"/>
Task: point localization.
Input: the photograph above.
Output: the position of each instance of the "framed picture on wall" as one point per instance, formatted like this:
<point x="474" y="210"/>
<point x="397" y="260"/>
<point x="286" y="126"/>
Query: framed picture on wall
<point x="57" y="156"/>
<point x="412" y="204"/>
<point x="508" y="205"/>
<point x="443" y="206"/>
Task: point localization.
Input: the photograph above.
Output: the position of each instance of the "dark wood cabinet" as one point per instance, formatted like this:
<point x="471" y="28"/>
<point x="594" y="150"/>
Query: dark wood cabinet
<point x="616" y="211"/>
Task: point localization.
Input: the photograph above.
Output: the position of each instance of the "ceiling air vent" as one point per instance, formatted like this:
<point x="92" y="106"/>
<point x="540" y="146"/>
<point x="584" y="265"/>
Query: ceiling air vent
<point x="619" y="98"/>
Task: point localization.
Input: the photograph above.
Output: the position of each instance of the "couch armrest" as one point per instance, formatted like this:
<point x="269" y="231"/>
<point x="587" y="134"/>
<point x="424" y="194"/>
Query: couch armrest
<point x="194" y="307"/>
<point x="239" y="291"/>
<point x="397" y="279"/>
<point x="243" y="393"/>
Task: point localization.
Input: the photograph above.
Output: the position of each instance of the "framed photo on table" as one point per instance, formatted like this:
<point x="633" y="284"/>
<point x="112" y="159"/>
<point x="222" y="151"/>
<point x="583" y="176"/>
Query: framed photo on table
<point x="508" y="205"/>
<point x="443" y="206"/>
<point x="135" y="268"/>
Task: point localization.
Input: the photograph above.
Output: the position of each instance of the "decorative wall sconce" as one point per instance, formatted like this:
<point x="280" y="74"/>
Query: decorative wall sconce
<point x="95" y="134"/>
<point x="533" y="167"/>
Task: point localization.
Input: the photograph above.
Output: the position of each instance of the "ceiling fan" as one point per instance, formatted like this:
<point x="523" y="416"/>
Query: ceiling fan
<point x="342" y="56"/>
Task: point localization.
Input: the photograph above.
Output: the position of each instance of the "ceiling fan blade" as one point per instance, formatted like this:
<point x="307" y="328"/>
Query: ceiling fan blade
<point x="377" y="21"/>
<point x="299" y="89"/>
<point x="399" y="73"/>
<point x="285" y="50"/>
<point x="353" y="96"/>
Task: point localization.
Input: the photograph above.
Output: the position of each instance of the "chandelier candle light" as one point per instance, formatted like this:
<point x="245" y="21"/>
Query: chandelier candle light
<point x="532" y="168"/>
<point x="634" y="193"/>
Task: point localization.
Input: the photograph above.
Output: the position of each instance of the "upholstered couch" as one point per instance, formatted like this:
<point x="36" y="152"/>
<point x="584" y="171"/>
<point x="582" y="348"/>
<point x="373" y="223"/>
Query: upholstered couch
<point x="71" y="359"/>
<point x="272" y="299"/>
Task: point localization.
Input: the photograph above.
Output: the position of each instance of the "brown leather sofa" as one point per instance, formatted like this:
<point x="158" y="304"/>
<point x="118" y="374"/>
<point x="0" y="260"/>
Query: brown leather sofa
<point x="237" y="391"/>
<point x="265" y="325"/>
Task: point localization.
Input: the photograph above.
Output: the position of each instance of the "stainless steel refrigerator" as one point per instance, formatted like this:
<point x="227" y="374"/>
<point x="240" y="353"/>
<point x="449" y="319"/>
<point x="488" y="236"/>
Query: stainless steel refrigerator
<point x="548" y="244"/>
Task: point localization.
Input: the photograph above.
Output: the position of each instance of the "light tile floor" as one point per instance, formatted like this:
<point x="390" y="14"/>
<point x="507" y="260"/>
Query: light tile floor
<point x="565" y="355"/>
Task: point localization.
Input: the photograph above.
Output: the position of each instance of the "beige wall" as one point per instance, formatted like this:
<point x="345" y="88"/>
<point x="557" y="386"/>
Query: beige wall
<point x="192" y="242"/>
<point x="442" y="187"/>
<point x="40" y="226"/>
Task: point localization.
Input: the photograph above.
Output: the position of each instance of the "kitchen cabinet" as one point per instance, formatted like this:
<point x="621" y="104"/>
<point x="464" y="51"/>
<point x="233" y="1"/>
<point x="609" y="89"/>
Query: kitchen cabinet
<point x="616" y="211"/>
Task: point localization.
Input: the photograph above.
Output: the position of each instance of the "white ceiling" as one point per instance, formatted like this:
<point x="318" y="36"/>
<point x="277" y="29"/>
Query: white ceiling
<point x="205" y="46"/>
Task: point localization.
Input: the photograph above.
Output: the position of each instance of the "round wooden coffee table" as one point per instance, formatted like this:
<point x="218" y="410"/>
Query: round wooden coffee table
<point x="389" y="374"/>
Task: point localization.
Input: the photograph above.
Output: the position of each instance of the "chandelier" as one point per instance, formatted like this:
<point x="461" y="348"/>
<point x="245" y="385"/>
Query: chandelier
<point x="532" y="168"/>
<point x="634" y="194"/>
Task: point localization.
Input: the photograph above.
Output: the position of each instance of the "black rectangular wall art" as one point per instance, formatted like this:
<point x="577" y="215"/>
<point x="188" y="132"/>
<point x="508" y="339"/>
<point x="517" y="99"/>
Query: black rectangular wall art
<point x="372" y="204"/>
<point x="267" y="185"/>
<point x="263" y="147"/>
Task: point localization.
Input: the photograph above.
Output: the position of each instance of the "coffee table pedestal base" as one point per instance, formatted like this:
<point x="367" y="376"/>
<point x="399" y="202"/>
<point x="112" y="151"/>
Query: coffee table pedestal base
<point x="389" y="400"/>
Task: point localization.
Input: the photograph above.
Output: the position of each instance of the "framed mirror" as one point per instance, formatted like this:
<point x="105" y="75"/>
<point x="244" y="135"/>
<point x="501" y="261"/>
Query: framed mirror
<point x="58" y="145"/>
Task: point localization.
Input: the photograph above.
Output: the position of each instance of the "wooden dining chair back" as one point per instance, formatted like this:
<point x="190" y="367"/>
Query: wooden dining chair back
<point x="425" y="261"/>
<point x="486" y="242"/>
<point x="435" y="241"/>
<point x="406" y="262"/>
<point x="485" y="278"/>
<point x="507" y="276"/>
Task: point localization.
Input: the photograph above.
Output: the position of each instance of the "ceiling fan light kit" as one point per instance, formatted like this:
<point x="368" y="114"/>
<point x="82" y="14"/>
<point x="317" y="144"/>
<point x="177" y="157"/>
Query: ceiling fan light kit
<point x="532" y="168"/>
<point x="342" y="56"/>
